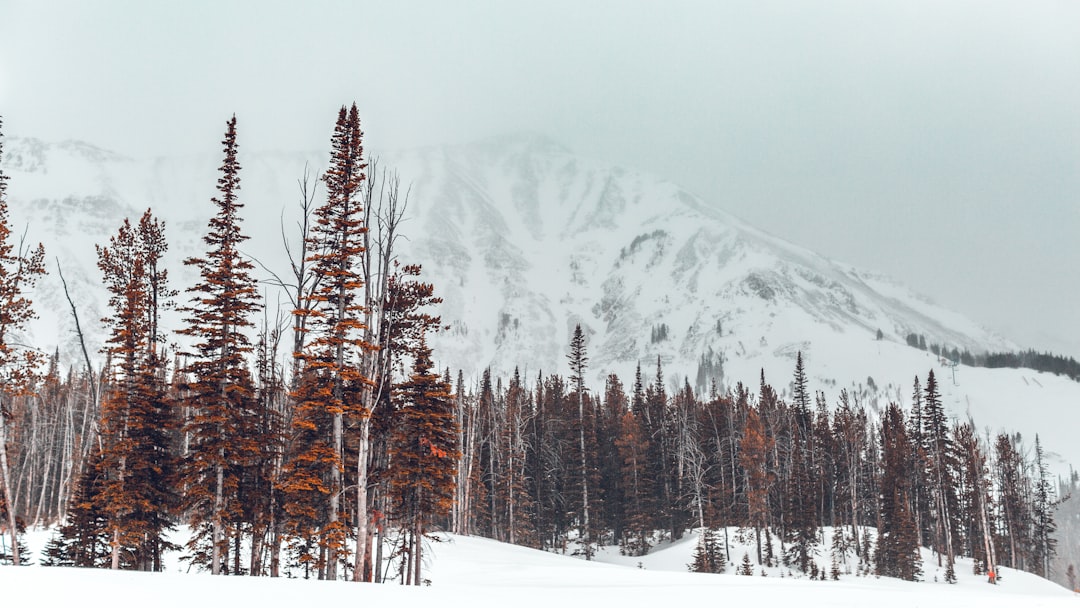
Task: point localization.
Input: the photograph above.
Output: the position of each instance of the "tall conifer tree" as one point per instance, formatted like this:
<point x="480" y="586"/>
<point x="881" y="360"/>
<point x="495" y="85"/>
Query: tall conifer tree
<point x="20" y="268"/>
<point x="137" y="418"/>
<point x="221" y="397"/>
<point x="331" y="383"/>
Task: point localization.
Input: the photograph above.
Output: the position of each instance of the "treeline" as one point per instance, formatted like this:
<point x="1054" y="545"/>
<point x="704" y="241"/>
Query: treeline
<point x="1029" y="359"/>
<point x="557" y="467"/>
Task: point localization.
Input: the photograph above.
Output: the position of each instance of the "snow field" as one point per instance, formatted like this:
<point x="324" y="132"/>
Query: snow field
<point x="467" y="572"/>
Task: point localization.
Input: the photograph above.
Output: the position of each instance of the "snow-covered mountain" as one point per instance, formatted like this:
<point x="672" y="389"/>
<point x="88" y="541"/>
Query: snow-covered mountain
<point x="523" y="240"/>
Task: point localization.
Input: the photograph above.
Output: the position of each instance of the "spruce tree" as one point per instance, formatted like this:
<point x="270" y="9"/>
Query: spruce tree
<point x="897" y="551"/>
<point x="20" y="268"/>
<point x="423" y="453"/>
<point x="83" y="541"/>
<point x="1043" y="516"/>
<point x="707" y="556"/>
<point x="222" y="446"/>
<point x="137" y="419"/>
<point x="578" y="361"/>
<point x="941" y="457"/>
<point x="331" y="383"/>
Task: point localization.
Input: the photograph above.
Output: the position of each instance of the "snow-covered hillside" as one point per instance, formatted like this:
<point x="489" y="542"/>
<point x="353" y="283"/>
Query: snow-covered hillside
<point x="476" y="572"/>
<point x="523" y="239"/>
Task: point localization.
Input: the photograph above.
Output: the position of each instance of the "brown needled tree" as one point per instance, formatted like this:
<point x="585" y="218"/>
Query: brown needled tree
<point x="423" y="454"/>
<point x="20" y="268"/>
<point x="331" y="384"/>
<point x="221" y="398"/>
<point x="137" y="494"/>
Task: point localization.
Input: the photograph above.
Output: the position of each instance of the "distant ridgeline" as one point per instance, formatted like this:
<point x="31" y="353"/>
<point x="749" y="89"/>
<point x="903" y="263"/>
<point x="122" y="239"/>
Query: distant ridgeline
<point x="1029" y="359"/>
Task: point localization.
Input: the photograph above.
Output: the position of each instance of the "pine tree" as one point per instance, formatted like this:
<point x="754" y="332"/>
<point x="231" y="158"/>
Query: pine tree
<point x="84" y="540"/>
<point x="222" y="447"/>
<point x="940" y="454"/>
<point x="137" y="418"/>
<point x="20" y="268"/>
<point x="753" y="449"/>
<point x="707" y="555"/>
<point x="1014" y="515"/>
<point x="1043" y="515"/>
<point x="746" y="568"/>
<point x="423" y="453"/>
<point x="578" y="361"/>
<point x="633" y="448"/>
<point x="331" y="382"/>
<point x="897" y="551"/>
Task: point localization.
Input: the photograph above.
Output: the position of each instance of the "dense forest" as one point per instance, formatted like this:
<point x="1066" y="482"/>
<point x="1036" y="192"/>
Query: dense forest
<point x="289" y="445"/>
<point x="1028" y="359"/>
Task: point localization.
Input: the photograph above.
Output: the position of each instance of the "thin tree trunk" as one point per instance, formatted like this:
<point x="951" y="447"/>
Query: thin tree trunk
<point x="362" y="496"/>
<point x="5" y="472"/>
<point x="584" y="477"/>
<point x="418" y="543"/>
<point x="218" y="531"/>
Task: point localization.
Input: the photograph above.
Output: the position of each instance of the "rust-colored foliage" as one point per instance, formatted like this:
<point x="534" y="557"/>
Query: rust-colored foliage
<point x="328" y="394"/>
<point x="423" y="450"/>
<point x="224" y="445"/>
<point x="20" y="267"/>
<point x="136" y="415"/>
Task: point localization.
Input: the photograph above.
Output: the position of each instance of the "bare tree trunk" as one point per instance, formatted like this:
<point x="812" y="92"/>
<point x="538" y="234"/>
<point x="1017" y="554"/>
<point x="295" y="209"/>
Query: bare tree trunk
<point x="5" y="472"/>
<point x="584" y="482"/>
<point x="219" y="532"/>
<point x="418" y="543"/>
<point x="362" y="496"/>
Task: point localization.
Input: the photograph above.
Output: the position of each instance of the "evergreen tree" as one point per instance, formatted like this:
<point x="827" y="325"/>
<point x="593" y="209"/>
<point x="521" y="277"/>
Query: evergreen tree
<point x="222" y="448"/>
<point x="578" y="361"/>
<point x="137" y="418"/>
<point x="423" y="453"/>
<point x="708" y="556"/>
<point x="1043" y="516"/>
<point x="897" y="551"/>
<point x="20" y="268"/>
<point x="331" y="381"/>
<point x="1013" y="512"/>
<point x="83" y="541"/>
<point x="752" y="453"/>
<point x="633" y="446"/>
<point x="941" y="456"/>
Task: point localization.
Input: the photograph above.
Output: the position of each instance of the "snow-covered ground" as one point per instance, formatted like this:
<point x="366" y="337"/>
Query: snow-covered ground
<point x="477" y="572"/>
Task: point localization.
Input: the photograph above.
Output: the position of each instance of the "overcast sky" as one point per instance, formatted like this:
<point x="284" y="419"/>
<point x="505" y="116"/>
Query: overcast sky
<point x="938" y="142"/>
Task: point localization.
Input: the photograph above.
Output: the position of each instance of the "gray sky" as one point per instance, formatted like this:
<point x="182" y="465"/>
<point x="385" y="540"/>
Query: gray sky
<point x="938" y="142"/>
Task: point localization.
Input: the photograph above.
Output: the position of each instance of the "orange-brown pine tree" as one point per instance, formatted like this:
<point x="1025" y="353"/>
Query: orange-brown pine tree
<point x="137" y="417"/>
<point x="753" y="448"/>
<point x="423" y="453"/>
<point x="20" y="268"/>
<point x="330" y="384"/>
<point x="221" y="395"/>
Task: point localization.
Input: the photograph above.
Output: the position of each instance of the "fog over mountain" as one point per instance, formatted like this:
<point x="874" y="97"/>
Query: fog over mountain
<point x="935" y="142"/>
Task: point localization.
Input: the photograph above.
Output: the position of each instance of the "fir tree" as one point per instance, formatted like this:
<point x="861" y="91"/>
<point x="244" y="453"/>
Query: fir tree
<point x="708" y="557"/>
<point x="1043" y="516"/>
<point x="578" y="361"/>
<point x="423" y="453"/>
<point x="222" y="447"/>
<point x="331" y="383"/>
<point x="746" y="568"/>
<point x="897" y="552"/>
<point x="137" y="418"/>
<point x="20" y="268"/>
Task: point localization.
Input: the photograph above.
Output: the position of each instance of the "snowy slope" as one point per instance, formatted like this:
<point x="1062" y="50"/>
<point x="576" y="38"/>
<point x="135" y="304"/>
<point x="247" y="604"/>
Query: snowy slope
<point x="476" y="572"/>
<point x="523" y="239"/>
